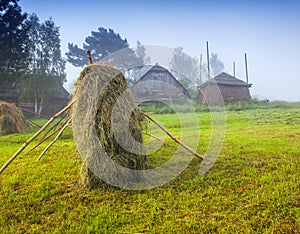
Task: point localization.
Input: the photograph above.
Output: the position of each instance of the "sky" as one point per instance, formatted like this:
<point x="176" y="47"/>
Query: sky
<point x="268" y="31"/>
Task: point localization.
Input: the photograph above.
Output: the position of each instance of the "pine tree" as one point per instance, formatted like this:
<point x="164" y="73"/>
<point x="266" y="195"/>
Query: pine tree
<point x="103" y="44"/>
<point x="13" y="56"/>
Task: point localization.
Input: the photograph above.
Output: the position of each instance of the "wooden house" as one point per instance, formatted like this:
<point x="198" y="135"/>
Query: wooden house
<point x="232" y="90"/>
<point x="159" y="85"/>
<point x="50" y="106"/>
<point x="11" y="92"/>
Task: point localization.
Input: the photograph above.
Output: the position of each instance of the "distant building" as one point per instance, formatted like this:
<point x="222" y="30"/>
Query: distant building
<point x="10" y="92"/>
<point x="231" y="89"/>
<point x="158" y="85"/>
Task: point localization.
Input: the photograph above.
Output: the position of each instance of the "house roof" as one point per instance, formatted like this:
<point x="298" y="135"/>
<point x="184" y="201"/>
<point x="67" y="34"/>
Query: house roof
<point x="157" y="68"/>
<point x="225" y="79"/>
<point x="63" y="93"/>
<point x="9" y="89"/>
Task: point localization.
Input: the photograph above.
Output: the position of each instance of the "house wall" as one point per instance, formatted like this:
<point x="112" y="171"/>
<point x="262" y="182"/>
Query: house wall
<point x="50" y="107"/>
<point x="231" y="94"/>
<point x="158" y="87"/>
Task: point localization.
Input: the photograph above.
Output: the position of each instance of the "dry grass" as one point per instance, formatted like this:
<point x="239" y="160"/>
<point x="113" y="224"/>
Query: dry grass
<point x="98" y="102"/>
<point x="12" y="119"/>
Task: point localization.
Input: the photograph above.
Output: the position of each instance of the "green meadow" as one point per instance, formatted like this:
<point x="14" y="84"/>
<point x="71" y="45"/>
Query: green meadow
<point x="253" y="187"/>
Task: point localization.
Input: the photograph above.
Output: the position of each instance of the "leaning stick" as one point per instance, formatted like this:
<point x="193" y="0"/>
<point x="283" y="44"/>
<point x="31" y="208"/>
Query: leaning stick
<point x="46" y="138"/>
<point x="155" y="137"/>
<point x="172" y="137"/>
<point x="55" y="139"/>
<point x="34" y="136"/>
<point x="53" y="127"/>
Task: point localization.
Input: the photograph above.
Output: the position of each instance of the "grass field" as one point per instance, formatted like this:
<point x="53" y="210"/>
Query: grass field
<point x="253" y="187"/>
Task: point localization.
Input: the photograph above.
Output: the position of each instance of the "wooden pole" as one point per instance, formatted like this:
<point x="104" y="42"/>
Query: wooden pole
<point x="233" y="69"/>
<point x="246" y="68"/>
<point x="47" y="137"/>
<point x="172" y="137"/>
<point x="200" y="68"/>
<point x="55" y="139"/>
<point x="155" y="137"/>
<point x="208" y="68"/>
<point x="34" y="136"/>
<point x="89" y="57"/>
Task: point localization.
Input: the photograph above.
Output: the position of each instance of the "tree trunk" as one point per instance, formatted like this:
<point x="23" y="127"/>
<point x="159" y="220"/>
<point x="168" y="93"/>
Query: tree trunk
<point x="41" y="106"/>
<point x="35" y="105"/>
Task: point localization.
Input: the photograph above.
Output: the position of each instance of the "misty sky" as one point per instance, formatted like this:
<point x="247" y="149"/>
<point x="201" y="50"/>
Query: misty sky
<point x="268" y="31"/>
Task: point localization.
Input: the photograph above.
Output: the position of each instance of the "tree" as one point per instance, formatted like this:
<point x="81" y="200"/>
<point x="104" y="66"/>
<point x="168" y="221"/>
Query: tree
<point x="216" y="65"/>
<point x="186" y="69"/>
<point x="185" y="64"/>
<point x="101" y="43"/>
<point x="142" y="66"/>
<point x="141" y="53"/>
<point x="46" y="66"/>
<point x="13" y="56"/>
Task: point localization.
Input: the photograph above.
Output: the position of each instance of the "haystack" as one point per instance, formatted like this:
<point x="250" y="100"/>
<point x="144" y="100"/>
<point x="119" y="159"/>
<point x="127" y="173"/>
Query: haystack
<point x="12" y="119"/>
<point x="107" y="128"/>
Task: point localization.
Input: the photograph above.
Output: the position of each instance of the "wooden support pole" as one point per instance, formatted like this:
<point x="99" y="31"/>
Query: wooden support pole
<point x="246" y="68"/>
<point x="55" y="139"/>
<point x="208" y="67"/>
<point x="201" y="69"/>
<point x="89" y="57"/>
<point x="155" y="137"/>
<point x="47" y="137"/>
<point x="233" y="69"/>
<point x="34" y="136"/>
<point x="172" y="137"/>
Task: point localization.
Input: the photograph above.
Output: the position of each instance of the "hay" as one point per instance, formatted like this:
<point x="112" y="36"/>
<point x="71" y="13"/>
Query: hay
<point x="107" y="126"/>
<point x="12" y="119"/>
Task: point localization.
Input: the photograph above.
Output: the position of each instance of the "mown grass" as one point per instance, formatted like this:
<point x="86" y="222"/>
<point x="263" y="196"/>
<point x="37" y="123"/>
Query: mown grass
<point x="252" y="188"/>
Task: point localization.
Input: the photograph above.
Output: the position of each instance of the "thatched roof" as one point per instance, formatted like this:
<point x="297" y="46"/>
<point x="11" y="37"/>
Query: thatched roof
<point x="225" y="79"/>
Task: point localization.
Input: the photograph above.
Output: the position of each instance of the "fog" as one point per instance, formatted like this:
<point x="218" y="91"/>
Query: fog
<point x="268" y="31"/>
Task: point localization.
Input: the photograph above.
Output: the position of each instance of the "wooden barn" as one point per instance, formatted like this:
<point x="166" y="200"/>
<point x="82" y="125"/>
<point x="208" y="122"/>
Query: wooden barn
<point x="232" y="90"/>
<point x="10" y="92"/>
<point x="50" y="106"/>
<point x="159" y="85"/>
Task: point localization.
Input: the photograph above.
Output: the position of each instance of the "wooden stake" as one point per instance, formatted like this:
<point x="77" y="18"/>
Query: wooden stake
<point x="46" y="138"/>
<point x="172" y="137"/>
<point x="55" y="139"/>
<point x="89" y="57"/>
<point x="34" y="136"/>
